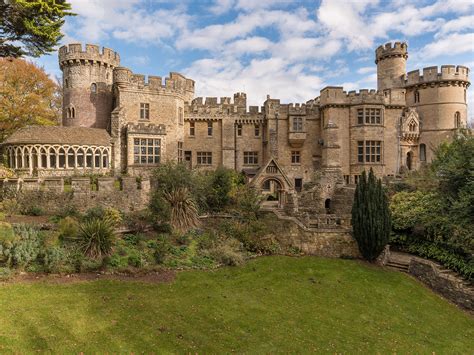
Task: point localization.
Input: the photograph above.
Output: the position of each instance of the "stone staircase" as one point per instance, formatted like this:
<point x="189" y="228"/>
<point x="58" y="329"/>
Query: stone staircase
<point x="398" y="266"/>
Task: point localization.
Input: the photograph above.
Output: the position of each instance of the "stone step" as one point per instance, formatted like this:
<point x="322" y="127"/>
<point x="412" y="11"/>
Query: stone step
<point x="397" y="266"/>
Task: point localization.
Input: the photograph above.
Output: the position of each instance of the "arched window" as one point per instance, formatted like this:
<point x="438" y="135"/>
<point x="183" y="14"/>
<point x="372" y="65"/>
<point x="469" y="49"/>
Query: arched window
<point x="19" y="158"/>
<point x="52" y="158"/>
<point x="94" y="88"/>
<point x="97" y="158"/>
<point x="68" y="112"/>
<point x="89" y="158"/>
<point x="44" y="159"/>
<point x="66" y="83"/>
<point x="327" y="204"/>
<point x="71" y="162"/>
<point x="62" y="158"/>
<point x="73" y="112"/>
<point x="457" y="119"/>
<point x="417" y="96"/>
<point x="80" y="158"/>
<point x="422" y="152"/>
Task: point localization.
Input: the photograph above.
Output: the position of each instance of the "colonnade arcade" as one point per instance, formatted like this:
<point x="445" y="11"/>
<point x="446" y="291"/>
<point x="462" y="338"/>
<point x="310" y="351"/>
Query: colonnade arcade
<point x="58" y="157"/>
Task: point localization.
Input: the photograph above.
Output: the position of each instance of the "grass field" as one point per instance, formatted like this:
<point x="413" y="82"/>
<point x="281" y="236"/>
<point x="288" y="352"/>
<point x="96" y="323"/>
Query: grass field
<point x="273" y="304"/>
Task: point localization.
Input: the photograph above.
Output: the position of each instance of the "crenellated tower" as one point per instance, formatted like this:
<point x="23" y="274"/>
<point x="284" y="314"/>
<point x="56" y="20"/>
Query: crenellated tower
<point x="391" y="65"/>
<point x="87" y="84"/>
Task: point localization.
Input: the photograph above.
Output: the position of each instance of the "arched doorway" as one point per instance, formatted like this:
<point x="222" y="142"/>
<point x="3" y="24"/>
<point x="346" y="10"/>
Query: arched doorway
<point x="272" y="191"/>
<point x="409" y="160"/>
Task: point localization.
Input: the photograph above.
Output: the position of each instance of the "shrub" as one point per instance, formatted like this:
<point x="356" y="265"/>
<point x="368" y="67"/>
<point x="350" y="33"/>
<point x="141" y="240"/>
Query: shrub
<point x="68" y="228"/>
<point x="247" y="201"/>
<point x="96" y="212"/>
<point x="113" y="215"/>
<point x="184" y="215"/>
<point x="96" y="237"/>
<point x="227" y="253"/>
<point x="138" y="221"/>
<point x="33" y="211"/>
<point x="54" y="259"/>
<point x="5" y="273"/>
<point x="370" y="216"/>
<point x="10" y="206"/>
<point x="160" y="248"/>
<point x="26" y="247"/>
<point x="222" y="184"/>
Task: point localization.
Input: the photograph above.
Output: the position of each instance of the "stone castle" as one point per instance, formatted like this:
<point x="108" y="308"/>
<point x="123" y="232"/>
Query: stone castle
<point x="115" y="123"/>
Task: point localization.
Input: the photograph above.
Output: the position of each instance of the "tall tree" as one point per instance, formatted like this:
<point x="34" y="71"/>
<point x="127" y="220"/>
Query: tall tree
<point x="370" y="216"/>
<point x="31" y="27"/>
<point x="27" y="96"/>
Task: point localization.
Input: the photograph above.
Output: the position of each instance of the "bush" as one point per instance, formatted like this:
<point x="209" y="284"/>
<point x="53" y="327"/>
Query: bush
<point x="96" y="237"/>
<point x="68" y="228"/>
<point x="54" y="259"/>
<point x="138" y="221"/>
<point x="96" y="212"/>
<point x="160" y="249"/>
<point x="26" y="247"/>
<point x="227" y="253"/>
<point x="113" y="215"/>
<point x="247" y="202"/>
<point x="33" y="211"/>
<point x="10" y="206"/>
<point x="5" y="273"/>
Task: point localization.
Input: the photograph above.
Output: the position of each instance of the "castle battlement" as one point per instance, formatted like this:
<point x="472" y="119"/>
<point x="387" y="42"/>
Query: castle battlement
<point x="333" y="95"/>
<point x="76" y="52"/>
<point x="388" y="50"/>
<point x="435" y="74"/>
<point x="175" y="82"/>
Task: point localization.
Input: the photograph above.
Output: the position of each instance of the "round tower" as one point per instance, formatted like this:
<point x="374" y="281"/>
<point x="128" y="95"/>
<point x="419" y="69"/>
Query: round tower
<point x="87" y="84"/>
<point x="439" y="96"/>
<point x="391" y="65"/>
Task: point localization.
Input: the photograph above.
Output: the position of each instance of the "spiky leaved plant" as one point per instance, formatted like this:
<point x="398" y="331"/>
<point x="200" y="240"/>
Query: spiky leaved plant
<point x="371" y="220"/>
<point x="96" y="237"/>
<point x="184" y="214"/>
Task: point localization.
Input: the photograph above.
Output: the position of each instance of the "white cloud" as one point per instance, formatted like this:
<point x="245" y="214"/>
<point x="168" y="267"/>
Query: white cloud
<point x="460" y="24"/>
<point x="221" y="6"/>
<point x="128" y="20"/>
<point x="452" y="44"/>
<point x="366" y="70"/>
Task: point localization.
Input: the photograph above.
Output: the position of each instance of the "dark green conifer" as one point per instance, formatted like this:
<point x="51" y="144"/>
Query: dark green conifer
<point x="370" y="216"/>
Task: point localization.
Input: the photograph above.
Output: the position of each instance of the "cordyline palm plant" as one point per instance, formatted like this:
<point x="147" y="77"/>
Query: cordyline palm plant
<point x="184" y="214"/>
<point x="96" y="237"/>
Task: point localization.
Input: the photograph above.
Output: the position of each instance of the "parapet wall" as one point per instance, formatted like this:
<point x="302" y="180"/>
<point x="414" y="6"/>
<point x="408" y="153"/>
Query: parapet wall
<point x="75" y="52"/>
<point x="435" y="74"/>
<point x="176" y="82"/>
<point x="53" y="195"/>
<point x="337" y="96"/>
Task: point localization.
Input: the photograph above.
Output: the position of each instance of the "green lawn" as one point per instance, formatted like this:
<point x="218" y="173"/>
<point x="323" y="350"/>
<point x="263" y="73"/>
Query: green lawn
<point x="274" y="304"/>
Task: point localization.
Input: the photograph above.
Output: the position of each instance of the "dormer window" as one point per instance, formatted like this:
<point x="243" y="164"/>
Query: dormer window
<point x="412" y="126"/>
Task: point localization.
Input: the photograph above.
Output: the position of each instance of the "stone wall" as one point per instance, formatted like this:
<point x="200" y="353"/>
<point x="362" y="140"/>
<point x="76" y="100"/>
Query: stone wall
<point x="326" y="242"/>
<point x="447" y="284"/>
<point x="52" y="195"/>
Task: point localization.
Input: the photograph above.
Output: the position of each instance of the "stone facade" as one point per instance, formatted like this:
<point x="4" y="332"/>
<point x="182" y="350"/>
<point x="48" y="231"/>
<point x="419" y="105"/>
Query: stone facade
<point x="279" y="146"/>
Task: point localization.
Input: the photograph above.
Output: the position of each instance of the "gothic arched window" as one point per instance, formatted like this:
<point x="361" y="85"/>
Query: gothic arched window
<point x="457" y="119"/>
<point x="422" y="152"/>
<point x="417" y="96"/>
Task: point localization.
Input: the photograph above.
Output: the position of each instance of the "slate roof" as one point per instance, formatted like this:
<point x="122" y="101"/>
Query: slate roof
<point x="59" y="135"/>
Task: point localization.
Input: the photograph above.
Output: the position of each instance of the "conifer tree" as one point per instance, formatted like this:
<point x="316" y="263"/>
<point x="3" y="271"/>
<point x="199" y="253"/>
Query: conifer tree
<point x="370" y="216"/>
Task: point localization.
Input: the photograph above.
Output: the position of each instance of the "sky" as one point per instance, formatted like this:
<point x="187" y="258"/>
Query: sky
<point x="286" y="49"/>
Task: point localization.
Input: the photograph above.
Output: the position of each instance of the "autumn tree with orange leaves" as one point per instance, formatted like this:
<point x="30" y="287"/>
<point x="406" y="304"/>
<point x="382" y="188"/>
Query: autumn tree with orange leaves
<point x="28" y="96"/>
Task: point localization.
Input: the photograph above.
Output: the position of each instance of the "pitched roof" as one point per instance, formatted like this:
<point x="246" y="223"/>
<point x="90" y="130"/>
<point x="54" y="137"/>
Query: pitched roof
<point x="59" y="135"/>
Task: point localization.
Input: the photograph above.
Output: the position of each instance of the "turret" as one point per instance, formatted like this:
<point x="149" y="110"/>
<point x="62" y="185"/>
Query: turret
<point x="87" y="84"/>
<point x="391" y="65"/>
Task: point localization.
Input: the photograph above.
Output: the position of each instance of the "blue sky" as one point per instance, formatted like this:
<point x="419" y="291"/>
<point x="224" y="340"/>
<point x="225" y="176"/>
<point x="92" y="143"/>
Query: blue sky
<point x="287" y="49"/>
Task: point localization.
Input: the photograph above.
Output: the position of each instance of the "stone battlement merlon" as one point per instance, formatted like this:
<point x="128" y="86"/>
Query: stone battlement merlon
<point x="91" y="52"/>
<point x="397" y="49"/>
<point x="175" y="82"/>
<point x="336" y="95"/>
<point x="240" y="100"/>
<point x="435" y="74"/>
